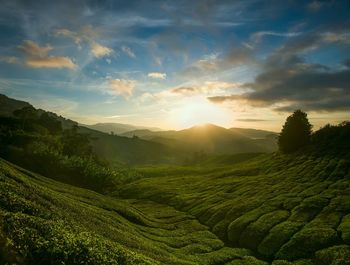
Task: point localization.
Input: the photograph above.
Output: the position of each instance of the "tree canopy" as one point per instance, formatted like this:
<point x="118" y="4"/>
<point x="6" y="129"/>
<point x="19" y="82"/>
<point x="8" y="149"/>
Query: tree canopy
<point x="296" y="132"/>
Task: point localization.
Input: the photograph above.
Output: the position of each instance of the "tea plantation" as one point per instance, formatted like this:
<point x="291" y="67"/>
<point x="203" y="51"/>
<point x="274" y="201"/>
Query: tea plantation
<point x="294" y="208"/>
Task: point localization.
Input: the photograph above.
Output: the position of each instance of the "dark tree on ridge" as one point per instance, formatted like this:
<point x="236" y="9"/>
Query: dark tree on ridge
<point x="296" y="132"/>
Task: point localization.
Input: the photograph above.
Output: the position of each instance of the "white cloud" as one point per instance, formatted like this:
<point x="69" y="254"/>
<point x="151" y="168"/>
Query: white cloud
<point x="128" y="51"/>
<point x="38" y="57"/>
<point x="257" y="36"/>
<point x="9" y="59"/>
<point x="122" y="87"/>
<point x="32" y="49"/>
<point x="51" y="62"/>
<point x="207" y="87"/>
<point x="157" y="75"/>
<point x="87" y="34"/>
<point x="100" y="51"/>
<point x="76" y="37"/>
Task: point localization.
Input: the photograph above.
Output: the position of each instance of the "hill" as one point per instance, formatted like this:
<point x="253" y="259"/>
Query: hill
<point x="46" y="222"/>
<point x="118" y="128"/>
<point x="134" y="150"/>
<point x="254" y="133"/>
<point x="266" y="209"/>
<point x="144" y="146"/>
<point x="9" y="105"/>
<point x="280" y="207"/>
<point x="212" y="139"/>
<point x="113" y="148"/>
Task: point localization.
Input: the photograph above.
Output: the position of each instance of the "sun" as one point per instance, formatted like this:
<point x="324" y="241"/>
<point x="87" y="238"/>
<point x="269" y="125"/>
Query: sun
<point x="198" y="110"/>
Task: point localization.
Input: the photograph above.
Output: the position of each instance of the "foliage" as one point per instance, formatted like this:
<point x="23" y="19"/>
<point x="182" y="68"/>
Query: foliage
<point x="294" y="206"/>
<point x="47" y="222"/>
<point x="296" y="132"/>
<point x="36" y="141"/>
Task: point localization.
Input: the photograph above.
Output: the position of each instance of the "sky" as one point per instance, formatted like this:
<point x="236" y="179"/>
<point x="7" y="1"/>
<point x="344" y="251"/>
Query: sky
<point x="175" y="64"/>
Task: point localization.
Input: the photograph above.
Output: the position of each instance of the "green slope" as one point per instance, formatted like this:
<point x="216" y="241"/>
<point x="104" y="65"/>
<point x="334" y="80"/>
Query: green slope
<point x="8" y="105"/>
<point x="288" y="207"/>
<point x="46" y="222"/>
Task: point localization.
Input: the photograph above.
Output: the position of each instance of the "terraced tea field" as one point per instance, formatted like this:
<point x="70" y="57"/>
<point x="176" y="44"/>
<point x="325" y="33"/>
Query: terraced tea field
<point x="279" y="207"/>
<point x="270" y="209"/>
<point x="46" y="222"/>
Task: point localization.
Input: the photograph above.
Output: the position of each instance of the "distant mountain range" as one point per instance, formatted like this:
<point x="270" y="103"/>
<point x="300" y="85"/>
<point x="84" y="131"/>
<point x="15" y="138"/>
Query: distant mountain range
<point x="142" y="145"/>
<point x="210" y="138"/>
<point x="118" y="128"/>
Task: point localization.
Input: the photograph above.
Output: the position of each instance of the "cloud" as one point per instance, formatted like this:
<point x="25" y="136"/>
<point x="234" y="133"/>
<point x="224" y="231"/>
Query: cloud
<point x="51" y="62"/>
<point x="32" y="49"/>
<point x="76" y="37"/>
<point x="221" y="99"/>
<point x="38" y="57"/>
<point x="157" y="75"/>
<point x="235" y="56"/>
<point x="207" y="87"/>
<point x="288" y="82"/>
<point x="89" y="35"/>
<point x="100" y="51"/>
<point x="257" y="36"/>
<point x="314" y="6"/>
<point x="122" y="87"/>
<point x="184" y="90"/>
<point x="250" y="120"/>
<point x="9" y="59"/>
<point x="128" y="52"/>
<point x="300" y="85"/>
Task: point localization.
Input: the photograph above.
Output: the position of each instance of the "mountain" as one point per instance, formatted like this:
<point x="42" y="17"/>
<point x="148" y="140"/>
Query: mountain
<point x="212" y="139"/>
<point x="254" y="133"/>
<point x="116" y="149"/>
<point x="113" y="148"/>
<point x="117" y="128"/>
<point x="144" y="146"/>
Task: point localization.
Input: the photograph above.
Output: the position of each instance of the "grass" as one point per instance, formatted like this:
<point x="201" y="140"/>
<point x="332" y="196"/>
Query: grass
<point x="266" y="209"/>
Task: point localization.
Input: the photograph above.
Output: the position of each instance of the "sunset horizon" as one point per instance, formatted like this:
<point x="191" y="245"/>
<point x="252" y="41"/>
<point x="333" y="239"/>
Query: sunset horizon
<point x="233" y="63"/>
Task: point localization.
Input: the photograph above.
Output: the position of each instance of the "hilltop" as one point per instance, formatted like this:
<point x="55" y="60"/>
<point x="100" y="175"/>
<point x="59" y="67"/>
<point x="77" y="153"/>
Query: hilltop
<point x="144" y="146"/>
<point x="212" y="139"/>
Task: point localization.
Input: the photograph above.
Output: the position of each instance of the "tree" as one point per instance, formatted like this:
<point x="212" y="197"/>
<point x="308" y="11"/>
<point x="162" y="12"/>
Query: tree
<point x="53" y="125"/>
<point x="296" y="132"/>
<point x="76" y="144"/>
<point x="25" y="114"/>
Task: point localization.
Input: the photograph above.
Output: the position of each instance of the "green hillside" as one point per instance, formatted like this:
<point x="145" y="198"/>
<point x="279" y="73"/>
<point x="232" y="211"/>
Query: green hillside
<point x="119" y="149"/>
<point x="46" y="222"/>
<point x="288" y="207"/>
<point x="8" y="105"/>
<point x="87" y="207"/>
<point x="261" y="211"/>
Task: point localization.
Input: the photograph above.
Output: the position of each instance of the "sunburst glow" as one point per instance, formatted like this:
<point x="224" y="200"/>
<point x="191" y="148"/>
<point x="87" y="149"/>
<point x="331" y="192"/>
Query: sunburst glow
<point x="198" y="110"/>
